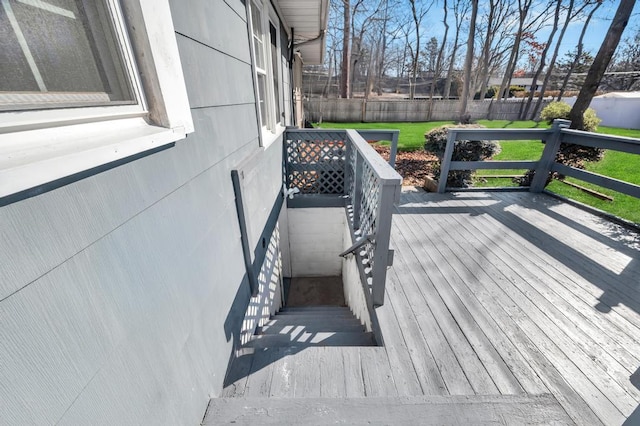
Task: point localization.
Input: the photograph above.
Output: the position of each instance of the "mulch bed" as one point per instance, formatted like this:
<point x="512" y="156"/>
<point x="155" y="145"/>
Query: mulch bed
<point x="413" y="166"/>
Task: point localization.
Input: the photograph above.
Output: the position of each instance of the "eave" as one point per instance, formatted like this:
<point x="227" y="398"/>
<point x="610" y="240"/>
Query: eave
<point x="307" y="20"/>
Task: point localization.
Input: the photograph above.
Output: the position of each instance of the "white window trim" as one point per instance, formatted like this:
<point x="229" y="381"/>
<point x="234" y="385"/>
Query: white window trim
<point x="38" y="147"/>
<point x="273" y="18"/>
<point x="268" y="136"/>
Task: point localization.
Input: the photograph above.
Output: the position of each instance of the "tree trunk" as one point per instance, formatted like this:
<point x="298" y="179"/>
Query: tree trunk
<point x="600" y="63"/>
<point x="563" y="88"/>
<point x="459" y="16"/>
<point x="552" y="62"/>
<point x="543" y="61"/>
<point x="438" y="70"/>
<point x="486" y="51"/>
<point x="468" y="62"/>
<point x="416" y="52"/>
<point x="523" y="11"/>
<point x="383" y="50"/>
<point x="345" y="67"/>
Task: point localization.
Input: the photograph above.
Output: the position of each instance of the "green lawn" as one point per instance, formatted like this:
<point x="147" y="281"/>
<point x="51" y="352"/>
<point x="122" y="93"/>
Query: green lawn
<point x="617" y="165"/>
<point x="411" y="134"/>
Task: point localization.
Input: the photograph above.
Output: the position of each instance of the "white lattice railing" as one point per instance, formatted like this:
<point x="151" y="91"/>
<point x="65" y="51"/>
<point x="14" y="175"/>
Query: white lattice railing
<point x="339" y="168"/>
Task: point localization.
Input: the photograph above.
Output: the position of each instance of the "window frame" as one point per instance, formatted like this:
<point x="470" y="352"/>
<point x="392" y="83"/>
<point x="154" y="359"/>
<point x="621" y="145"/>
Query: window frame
<point x="38" y="147"/>
<point x="274" y="125"/>
<point x="106" y="13"/>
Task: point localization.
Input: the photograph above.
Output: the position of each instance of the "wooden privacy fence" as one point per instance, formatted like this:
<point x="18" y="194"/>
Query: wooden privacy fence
<point x="559" y="133"/>
<point x="338" y="168"/>
<point x="362" y="110"/>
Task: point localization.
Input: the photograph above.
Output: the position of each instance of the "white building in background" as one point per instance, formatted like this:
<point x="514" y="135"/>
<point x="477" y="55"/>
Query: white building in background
<point x="616" y="109"/>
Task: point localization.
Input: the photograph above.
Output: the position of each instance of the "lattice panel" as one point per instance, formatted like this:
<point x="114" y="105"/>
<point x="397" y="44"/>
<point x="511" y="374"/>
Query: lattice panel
<point x="369" y="201"/>
<point x="352" y="155"/>
<point x="315" y="162"/>
<point x="369" y="211"/>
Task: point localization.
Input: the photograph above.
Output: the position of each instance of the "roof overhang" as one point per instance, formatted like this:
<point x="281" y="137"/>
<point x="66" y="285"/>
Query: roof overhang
<point x="308" y="21"/>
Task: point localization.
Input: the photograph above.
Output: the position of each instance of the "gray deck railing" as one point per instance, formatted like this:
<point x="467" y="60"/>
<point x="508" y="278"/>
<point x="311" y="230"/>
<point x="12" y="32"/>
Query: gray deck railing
<point x="559" y="133"/>
<point x="332" y="168"/>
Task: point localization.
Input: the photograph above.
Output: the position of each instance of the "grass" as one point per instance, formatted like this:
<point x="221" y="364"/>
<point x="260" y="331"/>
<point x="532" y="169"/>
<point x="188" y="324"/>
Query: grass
<point x="411" y="134"/>
<point x="617" y="165"/>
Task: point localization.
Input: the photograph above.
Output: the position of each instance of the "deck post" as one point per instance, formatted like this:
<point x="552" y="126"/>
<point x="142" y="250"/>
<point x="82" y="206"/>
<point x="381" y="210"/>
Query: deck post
<point x="389" y="196"/>
<point x="446" y="161"/>
<point x="548" y="156"/>
<point x="394" y="148"/>
<point x="357" y="186"/>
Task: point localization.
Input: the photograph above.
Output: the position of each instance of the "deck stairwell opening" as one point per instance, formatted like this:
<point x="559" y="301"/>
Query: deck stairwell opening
<point x="333" y="229"/>
<point x="337" y="220"/>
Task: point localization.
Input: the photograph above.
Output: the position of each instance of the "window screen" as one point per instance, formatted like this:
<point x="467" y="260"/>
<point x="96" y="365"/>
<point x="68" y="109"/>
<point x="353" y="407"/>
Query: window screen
<point x="60" y="53"/>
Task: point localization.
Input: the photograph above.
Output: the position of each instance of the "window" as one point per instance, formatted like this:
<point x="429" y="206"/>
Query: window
<point x="62" y="54"/>
<point x="266" y="54"/>
<point x="71" y="93"/>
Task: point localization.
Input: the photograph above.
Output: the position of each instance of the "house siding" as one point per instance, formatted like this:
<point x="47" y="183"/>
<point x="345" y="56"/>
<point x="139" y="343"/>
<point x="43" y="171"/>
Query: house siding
<point x="122" y="294"/>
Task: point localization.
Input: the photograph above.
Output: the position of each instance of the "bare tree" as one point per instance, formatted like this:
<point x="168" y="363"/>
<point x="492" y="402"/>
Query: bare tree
<point x="600" y="63"/>
<point x="579" y="50"/>
<point x="460" y="11"/>
<point x="418" y="15"/>
<point x="527" y="23"/>
<point x="543" y="57"/>
<point x="345" y="67"/>
<point x="494" y="44"/>
<point x="570" y="16"/>
<point x="438" y="69"/>
<point x="468" y="62"/>
<point x="380" y="65"/>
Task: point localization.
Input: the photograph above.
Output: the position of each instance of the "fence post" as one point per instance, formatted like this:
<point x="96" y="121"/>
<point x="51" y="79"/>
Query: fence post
<point x="446" y="161"/>
<point x="548" y="156"/>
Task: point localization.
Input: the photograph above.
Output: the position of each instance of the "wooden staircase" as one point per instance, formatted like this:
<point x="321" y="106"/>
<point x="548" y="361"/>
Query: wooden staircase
<point x="312" y="326"/>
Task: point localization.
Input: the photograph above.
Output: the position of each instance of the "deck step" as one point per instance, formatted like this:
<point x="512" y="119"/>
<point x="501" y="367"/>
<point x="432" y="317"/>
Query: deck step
<point x="424" y="410"/>
<point x="306" y="339"/>
<point x="308" y="326"/>
<point x="318" y="312"/>
<point x="326" y="322"/>
<point x="310" y="319"/>
<point x="277" y="327"/>
<point x="315" y="308"/>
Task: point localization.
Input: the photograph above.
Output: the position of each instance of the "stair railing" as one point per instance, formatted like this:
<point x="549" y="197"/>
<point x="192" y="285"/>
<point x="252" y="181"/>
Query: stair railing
<point x="332" y="168"/>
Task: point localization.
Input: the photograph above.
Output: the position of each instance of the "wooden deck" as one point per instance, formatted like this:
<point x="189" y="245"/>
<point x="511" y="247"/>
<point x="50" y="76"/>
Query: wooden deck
<point x="498" y="295"/>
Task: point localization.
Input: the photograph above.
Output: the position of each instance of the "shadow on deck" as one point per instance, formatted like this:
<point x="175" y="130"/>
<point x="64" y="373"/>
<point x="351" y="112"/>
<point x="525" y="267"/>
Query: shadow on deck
<point x="491" y="294"/>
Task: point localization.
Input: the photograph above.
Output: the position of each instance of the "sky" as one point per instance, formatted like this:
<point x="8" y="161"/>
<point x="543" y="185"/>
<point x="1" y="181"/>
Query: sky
<point x="597" y="28"/>
<point x="592" y="41"/>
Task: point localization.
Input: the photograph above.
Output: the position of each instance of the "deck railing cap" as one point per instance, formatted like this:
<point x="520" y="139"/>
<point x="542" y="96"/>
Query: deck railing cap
<point x="380" y="167"/>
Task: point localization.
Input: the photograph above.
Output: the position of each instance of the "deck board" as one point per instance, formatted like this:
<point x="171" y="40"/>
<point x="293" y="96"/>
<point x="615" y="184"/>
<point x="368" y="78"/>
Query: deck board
<point x="492" y="295"/>
<point x="567" y="334"/>
<point x="502" y="377"/>
<point x="421" y="325"/>
<point x="522" y="371"/>
<point x="571" y="286"/>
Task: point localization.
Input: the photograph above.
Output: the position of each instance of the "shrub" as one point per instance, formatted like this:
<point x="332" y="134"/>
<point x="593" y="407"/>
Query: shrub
<point x="561" y="110"/>
<point x="516" y="91"/>
<point x="568" y="154"/>
<point x="464" y="150"/>
<point x="490" y="93"/>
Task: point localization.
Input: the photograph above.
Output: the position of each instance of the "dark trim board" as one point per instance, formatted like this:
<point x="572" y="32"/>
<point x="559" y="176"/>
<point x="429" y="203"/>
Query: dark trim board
<point x="253" y="264"/>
